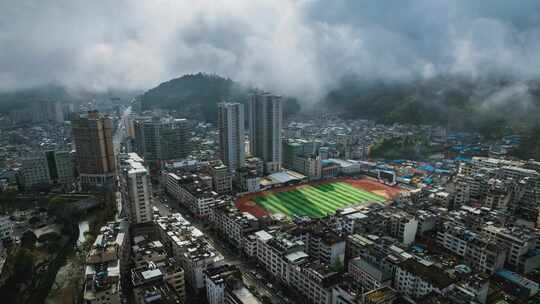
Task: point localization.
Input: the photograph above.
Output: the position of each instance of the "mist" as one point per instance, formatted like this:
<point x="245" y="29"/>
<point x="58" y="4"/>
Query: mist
<point x="301" y="48"/>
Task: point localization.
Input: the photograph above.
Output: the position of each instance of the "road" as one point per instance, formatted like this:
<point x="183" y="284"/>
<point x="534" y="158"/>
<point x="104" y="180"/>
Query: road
<point x="121" y="131"/>
<point x="252" y="275"/>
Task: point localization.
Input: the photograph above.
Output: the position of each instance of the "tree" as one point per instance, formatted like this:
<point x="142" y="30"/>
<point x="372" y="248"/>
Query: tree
<point x="33" y="220"/>
<point x="28" y="239"/>
<point x="338" y="266"/>
<point x="49" y="237"/>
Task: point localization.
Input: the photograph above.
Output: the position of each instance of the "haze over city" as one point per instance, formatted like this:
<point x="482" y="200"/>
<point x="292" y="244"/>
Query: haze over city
<point x="300" y="48"/>
<point x="270" y="152"/>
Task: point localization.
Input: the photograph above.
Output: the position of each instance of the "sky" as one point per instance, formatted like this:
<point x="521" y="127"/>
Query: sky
<point x="300" y="48"/>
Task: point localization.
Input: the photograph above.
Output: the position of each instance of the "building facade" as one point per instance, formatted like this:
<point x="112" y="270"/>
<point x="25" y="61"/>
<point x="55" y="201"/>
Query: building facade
<point x="135" y="187"/>
<point x="231" y="134"/>
<point x="94" y="151"/>
<point x="265" y="120"/>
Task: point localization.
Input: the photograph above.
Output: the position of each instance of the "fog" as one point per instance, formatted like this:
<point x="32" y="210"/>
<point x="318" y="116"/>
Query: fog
<point x="301" y="48"/>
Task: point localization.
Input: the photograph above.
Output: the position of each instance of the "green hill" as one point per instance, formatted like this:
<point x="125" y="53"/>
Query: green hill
<point x="489" y="106"/>
<point x="197" y="95"/>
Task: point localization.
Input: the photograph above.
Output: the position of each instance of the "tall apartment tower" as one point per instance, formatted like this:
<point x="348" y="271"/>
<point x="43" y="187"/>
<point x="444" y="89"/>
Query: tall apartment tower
<point x="94" y="152"/>
<point x="265" y="119"/>
<point x="135" y="187"/>
<point x="231" y="134"/>
<point x="157" y="140"/>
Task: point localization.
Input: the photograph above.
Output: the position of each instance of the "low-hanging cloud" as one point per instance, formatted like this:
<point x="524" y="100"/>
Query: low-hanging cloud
<point x="302" y="48"/>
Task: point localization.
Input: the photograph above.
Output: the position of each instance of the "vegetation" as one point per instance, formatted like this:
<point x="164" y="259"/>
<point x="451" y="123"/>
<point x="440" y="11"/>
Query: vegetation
<point x="197" y="95"/>
<point x="316" y="201"/>
<point x="491" y="106"/>
<point x="413" y="148"/>
<point x="530" y="145"/>
<point x="338" y="266"/>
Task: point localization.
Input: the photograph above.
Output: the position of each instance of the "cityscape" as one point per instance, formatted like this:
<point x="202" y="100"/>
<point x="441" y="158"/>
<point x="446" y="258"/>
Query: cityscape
<point x="202" y="189"/>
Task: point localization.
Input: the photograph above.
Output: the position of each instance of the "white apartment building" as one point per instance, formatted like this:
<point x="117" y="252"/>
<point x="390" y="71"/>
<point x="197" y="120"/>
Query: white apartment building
<point x="135" y="187"/>
<point x="520" y="241"/>
<point x="233" y="224"/>
<point x="403" y="226"/>
<point x="192" y="192"/>
<point x="190" y="247"/>
<point x="478" y="252"/>
<point x="369" y="276"/>
<point x="315" y="281"/>
<point x="417" y="278"/>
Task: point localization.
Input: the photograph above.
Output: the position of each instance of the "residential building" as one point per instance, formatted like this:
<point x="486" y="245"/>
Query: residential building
<point x="369" y="275"/>
<point x="61" y="167"/>
<point x="6" y="227"/>
<point x="224" y="285"/>
<point x="135" y="187"/>
<point x="233" y="224"/>
<point x="158" y="140"/>
<point x="44" y="169"/>
<point x="107" y="265"/>
<point x="265" y="119"/>
<point x="314" y="281"/>
<point x="231" y="134"/>
<point x="94" y="152"/>
<point x="417" y="278"/>
<point x="221" y="178"/>
<point x="193" y="192"/>
<point x="189" y="246"/>
<point x="34" y="172"/>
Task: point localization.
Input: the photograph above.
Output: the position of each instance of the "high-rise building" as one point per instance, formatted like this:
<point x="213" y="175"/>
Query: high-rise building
<point x="231" y="134"/>
<point x="60" y="166"/>
<point x="34" y="172"/>
<point x="265" y="119"/>
<point x="94" y="152"/>
<point x="157" y="140"/>
<point x="135" y="187"/>
<point x="44" y="169"/>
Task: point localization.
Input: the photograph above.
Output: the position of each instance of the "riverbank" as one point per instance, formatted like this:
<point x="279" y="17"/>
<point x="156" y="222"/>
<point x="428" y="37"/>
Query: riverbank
<point x="69" y="280"/>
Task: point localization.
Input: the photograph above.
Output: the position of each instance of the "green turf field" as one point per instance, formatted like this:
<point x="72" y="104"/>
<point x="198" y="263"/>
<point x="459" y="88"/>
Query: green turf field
<point x="316" y="201"/>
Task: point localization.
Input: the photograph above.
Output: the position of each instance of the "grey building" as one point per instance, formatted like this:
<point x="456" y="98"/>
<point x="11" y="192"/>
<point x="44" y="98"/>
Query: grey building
<point x="231" y="134"/>
<point x="265" y="120"/>
<point x="157" y="140"/>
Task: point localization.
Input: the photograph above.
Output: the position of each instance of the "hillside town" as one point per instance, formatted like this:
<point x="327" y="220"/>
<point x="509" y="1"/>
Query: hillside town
<point x="282" y="211"/>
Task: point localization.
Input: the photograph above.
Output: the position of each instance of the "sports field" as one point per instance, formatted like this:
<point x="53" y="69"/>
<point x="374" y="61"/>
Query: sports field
<point x="315" y="200"/>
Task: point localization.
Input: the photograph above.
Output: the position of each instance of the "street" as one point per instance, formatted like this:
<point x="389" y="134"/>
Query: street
<point x="252" y="276"/>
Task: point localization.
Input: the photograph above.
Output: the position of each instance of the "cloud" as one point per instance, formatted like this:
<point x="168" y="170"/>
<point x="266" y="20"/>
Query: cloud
<point x="302" y="48"/>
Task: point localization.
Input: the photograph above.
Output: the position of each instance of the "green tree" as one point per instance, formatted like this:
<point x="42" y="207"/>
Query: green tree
<point x="28" y="239"/>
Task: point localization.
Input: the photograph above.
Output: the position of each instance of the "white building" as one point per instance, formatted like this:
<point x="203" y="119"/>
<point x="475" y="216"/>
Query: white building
<point x="224" y="285"/>
<point x="135" y="187"/>
<point x="193" y="192"/>
<point x="419" y="278"/>
<point x="368" y="275"/>
<point x="233" y="224"/>
<point x="190" y="247"/>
